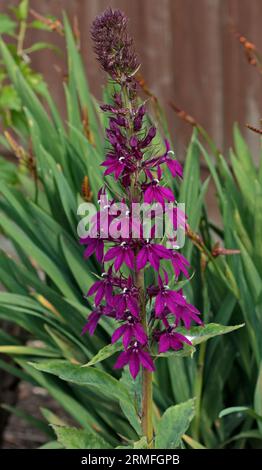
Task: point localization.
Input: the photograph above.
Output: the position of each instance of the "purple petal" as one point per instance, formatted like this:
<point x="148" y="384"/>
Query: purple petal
<point x="159" y="304"/>
<point x="118" y="333"/>
<point x="119" y="260"/>
<point x="112" y="253"/>
<point x="93" y="288"/>
<point x="127" y="336"/>
<point x="129" y="259"/>
<point x="100" y="251"/>
<point x="139" y="333"/>
<point x="141" y="259"/>
<point x="164" y="343"/>
<point x="148" y="195"/>
<point x="161" y="251"/>
<point x="167" y="194"/>
<point x="99" y="295"/>
<point x="134" y="364"/>
<point x="146" y="360"/>
<point x="132" y="305"/>
<point x="122" y="359"/>
<point x="153" y="260"/>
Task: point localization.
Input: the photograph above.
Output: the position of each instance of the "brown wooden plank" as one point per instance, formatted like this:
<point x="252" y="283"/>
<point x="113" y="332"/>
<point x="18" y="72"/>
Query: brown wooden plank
<point x="188" y="55"/>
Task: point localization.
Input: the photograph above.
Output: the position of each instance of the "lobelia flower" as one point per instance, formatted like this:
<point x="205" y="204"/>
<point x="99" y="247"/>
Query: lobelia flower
<point x="132" y="329"/>
<point x="94" y="245"/>
<point x="187" y="313"/>
<point x="173" y="165"/>
<point x="135" y="356"/>
<point x="121" y="254"/>
<point x="155" y="192"/>
<point x="127" y="300"/>
<point x="153" y="254"/>
<point x="170" y="339"/>
<point x="103" y="288"/>
<point x="180" y="264"/>
<point x="93" y="320"/>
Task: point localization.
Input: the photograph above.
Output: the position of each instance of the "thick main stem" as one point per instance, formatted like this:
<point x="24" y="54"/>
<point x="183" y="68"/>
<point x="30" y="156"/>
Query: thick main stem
<point x="147" y="376"/>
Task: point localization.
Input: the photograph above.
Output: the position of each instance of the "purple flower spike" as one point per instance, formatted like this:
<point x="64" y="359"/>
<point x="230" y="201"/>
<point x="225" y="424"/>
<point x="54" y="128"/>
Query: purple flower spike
<point x="125" y="296"/>
<point x="113" y="45"/>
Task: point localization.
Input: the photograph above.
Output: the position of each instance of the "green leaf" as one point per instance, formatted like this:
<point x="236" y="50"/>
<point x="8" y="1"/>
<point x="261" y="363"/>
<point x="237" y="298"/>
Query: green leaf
<point x="240" y="410"/>
<point x="7" y="25"/>
<point x="39" y="46"/>
<point x="199" y="334"/>
<point x="13" y="231"/>
<point x="63" y="396"/>
<point x="9" y="99"/>
<point x="258" y="397"/>
<point x="252" y="434"/>
<point x="186" y="351"/>
<point x="73" y="438"/>
<point x="38" y="24"/>
<point x="104" y="353"/>
<point x="132" y="408"/>
<point x="192" y="442"/>
<point x="51" y="417"/>
<point x="27" y="351"/>
<point x="141" y="444"/>
<point x="77" y="74"/>
<point x="173" y="424"/>
<point x="88" y="376"/>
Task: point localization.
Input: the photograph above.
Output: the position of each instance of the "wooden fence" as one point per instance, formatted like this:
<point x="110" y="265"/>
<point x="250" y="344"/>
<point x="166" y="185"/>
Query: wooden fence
<point x="188" y="54"/>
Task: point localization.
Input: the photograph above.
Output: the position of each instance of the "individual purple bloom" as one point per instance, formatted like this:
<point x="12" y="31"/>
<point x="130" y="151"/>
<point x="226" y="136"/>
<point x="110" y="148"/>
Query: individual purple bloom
<point x="155" y="192"/>
<point x="122" y="254"/>
<point x="171" y="340"/>
<point x="113" y="45"/>
<point x="130" y="330"/>
<point x="127" y="300"/>
<point x="94" y="245"/>
<point x="103" y="288"/>
<point x="93" y="320"/>
<point x="180" y="264"/>
<point x="187" y="313"/>
<point x="167" y="298"/>
<point x="173" y="165"/>
<point x="152" y="253"/>
<point x="114" y="165"/>
<point x="135" y="356"/>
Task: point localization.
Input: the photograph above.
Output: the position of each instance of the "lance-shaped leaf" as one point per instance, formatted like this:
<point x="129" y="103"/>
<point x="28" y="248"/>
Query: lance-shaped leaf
<point x="104" y="353"/>
<point x="173" y="424"/>
<point x="199" y="334"/>
<point x="73" y="438"/>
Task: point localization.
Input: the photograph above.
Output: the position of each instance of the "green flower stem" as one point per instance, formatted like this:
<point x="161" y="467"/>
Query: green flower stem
<point x="21" y="37"/>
